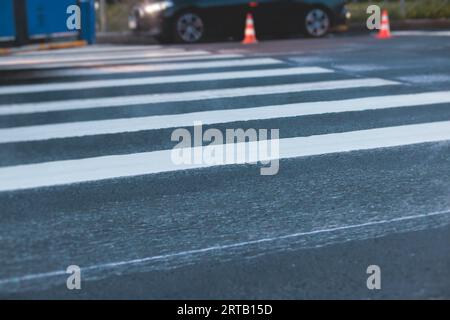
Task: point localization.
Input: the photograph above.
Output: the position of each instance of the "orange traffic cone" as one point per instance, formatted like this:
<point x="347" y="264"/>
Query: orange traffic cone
<point x="385" y="31"/>
<point x="250" y="36"/>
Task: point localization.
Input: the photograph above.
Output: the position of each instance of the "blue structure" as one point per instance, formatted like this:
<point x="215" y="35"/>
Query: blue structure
<point x="31" y="21"/>
<point x="7" y="21"/>
<point x="88" y="20"/>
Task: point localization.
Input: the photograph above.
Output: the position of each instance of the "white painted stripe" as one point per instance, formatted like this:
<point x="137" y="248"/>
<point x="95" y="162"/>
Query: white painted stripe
<point x="422" y="33"/>
<point x="361" y="67"/>
<point x="36" y="63"/>
<point x="426" y="78"/>
<point x="109" y="167"/>
<point x="127" y="68"/>
<point x="90" y="128"/>
<point x="82" y="85"/>
<point x="134" y="65"/>
<point x="51" y="58"/>
<point x="83" y="104"/>
<point x="89" y="49"/>
<point x="187" y="253"/>
<point x="82" y="55"/>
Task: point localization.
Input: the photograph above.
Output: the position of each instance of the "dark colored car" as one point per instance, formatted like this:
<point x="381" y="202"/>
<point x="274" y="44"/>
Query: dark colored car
<point x="196" y="20"/>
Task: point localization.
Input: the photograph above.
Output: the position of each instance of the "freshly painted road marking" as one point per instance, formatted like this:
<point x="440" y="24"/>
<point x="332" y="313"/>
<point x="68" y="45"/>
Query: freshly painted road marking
<point x="361" y="67"/>
<point x="309" y="60"/>
<point x="50" y="58"/>
<point x="30" y="63"/>
<point x="124" y="62"/>
<point x="112" y="126"/>
<point x="83" y="104"/>
<point x="82" y="85"/>
<point x="216" y="248"/>
<point x="426" y="78"/>
<point x="134" y="65"/>
<point x="89" y="49"/>
<point x="176" y="65"/>
<point x="422" y="33"/>
<point x="174" y="79"/>
<point x="87" y="56"/>
<point x="118" y="166"/>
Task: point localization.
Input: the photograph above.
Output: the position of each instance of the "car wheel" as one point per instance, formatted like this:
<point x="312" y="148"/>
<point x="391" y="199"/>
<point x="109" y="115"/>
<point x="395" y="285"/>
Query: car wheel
<point x="317" y="23"/>
<point x="189" y="28"/>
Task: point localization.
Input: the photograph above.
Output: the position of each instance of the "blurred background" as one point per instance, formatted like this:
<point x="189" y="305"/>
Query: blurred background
<point x="112" y="15"/>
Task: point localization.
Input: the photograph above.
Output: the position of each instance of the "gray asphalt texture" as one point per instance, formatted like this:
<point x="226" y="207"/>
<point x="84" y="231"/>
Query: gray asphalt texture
<point x="198" y="230"/>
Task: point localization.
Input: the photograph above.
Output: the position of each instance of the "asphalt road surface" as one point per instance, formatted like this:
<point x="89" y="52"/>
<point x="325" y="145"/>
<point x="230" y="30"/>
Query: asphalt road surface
<point x="87" y="178"/>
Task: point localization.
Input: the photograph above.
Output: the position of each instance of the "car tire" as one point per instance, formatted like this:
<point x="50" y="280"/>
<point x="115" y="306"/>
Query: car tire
<point x="316" y="23"/>
<point x="189" y="27"/>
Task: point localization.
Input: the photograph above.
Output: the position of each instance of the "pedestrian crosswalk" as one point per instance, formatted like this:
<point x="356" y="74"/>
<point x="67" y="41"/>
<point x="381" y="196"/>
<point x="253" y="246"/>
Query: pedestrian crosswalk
<point x="90" y="170"/>
<point x="217" y="88"/>
<point x="196" y="95"/>
<point x="114" y="126"/>
<point x="108" y="167"/>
